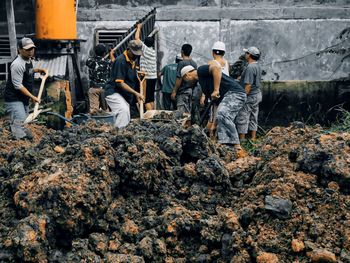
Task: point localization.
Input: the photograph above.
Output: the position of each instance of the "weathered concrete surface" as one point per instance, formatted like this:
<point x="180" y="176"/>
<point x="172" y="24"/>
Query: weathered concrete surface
<point x="291" y="49"/>
<point x="172" y="35"/>
<point x="223" y="3"/>
<point x="191" y="13"/>
<point x="283" y="30"/>
<point x="295" y="49"/>
<point x="307" y="101"/>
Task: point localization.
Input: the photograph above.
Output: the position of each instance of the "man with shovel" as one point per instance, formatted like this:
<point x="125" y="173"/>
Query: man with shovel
<point x="123" y="84"/>
<point x="19" y="88"/>
<point x="229" y="94"/>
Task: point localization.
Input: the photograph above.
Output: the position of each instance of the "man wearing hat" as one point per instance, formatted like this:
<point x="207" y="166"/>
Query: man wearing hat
<point x="123" y="83"/>
<point x="218" y="51"/>
<point x="19" y="88"/>
<point x="247" y="118"/>
<point x="169" y="78"/>
<point x="229" y="94"/>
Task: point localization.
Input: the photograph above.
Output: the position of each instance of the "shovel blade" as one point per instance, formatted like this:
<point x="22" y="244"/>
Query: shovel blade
<point x="152" y="113"/>
<point x="31" y="117"/>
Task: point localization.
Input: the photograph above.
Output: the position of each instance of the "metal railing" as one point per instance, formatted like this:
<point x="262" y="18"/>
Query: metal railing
<point x="148" y="22"/>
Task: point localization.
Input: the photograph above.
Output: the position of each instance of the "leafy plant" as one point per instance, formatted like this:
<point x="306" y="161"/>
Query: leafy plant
<point x="343" y="123"/>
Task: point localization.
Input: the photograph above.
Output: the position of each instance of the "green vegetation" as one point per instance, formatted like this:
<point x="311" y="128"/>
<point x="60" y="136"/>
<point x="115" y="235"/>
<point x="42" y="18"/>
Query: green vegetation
<point x="2" y="108"/>
<point x="250" y="146"/>
<point x="343" y="122"/>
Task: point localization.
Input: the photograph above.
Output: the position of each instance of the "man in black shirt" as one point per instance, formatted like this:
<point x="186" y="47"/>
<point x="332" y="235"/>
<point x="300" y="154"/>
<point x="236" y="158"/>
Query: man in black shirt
<point x="229" y="94"/>
<point x="123" y="83"/>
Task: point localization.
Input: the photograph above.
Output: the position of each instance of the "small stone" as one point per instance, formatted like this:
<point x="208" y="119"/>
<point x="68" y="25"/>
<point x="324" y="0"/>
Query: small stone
<point x="278" y="206"/>
<point x="113" y="245"/>
<point x="146" y="247"/>
<point x="310" y="245"/>
<point x="333" y="185"/>
<point x="267" y="258"/>
<point x="322" y="255"/>
<point x="160" y="246"/>
<point x="59" y="149"/>
<point x="98" y="242"/>
<point x="297" y="245"/>
<point x="129" y="228"/>
<point x="246" y="216"/>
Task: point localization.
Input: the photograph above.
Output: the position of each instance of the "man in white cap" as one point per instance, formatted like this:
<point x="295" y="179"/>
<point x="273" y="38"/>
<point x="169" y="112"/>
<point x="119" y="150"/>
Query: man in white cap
<point x="123" y="84"/>
<point x="247" y="118"/>
<point x="19" y="88"/>
<point x="229" y="94"/>
<point x="169" y="78"/>
<point x="218" y="52"/>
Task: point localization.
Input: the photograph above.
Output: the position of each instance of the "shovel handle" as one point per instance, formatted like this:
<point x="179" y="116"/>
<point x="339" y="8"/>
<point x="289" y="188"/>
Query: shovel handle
<point x="139" y="74"/>
<point x="40" y="93"/>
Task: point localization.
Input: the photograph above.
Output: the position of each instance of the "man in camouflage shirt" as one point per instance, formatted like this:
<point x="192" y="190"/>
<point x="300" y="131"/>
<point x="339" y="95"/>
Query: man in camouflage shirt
<point x="99" y="71"/>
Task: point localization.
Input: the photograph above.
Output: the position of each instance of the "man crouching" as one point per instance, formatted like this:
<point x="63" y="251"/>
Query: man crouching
<point x="230" y="95"/>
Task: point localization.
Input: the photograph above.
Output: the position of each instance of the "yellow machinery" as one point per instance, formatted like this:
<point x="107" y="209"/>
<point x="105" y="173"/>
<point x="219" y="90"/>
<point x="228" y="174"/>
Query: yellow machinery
<point x="56" y="20"/>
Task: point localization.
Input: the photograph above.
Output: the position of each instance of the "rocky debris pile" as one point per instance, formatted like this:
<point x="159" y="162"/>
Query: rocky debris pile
<point x="157" y="192"/>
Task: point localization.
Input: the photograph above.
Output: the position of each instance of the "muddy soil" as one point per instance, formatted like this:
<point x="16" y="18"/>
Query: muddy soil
<point x="157" y="192"/>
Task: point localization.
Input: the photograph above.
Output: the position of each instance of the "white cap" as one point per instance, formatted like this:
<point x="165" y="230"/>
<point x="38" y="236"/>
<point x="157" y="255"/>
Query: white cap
<point x="218" y="45"/>
<point x="186" y="69"/>
<point x="252" y="50"/>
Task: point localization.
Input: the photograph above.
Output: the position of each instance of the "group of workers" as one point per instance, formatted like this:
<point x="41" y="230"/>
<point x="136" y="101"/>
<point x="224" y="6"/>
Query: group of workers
<point x="234" y="98"/>
<point x="114" y="86"/>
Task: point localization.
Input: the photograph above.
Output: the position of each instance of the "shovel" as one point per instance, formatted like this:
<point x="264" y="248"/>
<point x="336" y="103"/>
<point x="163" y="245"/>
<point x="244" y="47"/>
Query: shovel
<point x="149" y="114"/>
<point x="31" y="117"/>
<point x="141" y="76"/>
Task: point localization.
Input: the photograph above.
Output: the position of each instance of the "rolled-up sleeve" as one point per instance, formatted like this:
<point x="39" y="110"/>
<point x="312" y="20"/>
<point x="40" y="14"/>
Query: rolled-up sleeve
<point x="120" y="72"/>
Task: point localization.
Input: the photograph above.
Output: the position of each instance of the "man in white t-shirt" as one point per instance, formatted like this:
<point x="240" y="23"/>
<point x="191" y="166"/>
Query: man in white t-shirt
<point x="148" y="64"/>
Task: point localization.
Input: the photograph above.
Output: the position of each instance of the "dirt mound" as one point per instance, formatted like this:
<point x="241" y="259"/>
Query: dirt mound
<point x="156" y="192"/>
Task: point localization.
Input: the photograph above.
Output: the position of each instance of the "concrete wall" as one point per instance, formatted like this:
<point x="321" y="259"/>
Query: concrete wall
<point x="224" y="3"/>
<point x="311" y="102"/>
<point x="299" y="40"/>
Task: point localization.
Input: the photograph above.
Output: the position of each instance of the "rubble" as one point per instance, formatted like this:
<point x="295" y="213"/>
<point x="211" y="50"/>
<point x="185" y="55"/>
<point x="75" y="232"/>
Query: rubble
<point x="159" y="192"/>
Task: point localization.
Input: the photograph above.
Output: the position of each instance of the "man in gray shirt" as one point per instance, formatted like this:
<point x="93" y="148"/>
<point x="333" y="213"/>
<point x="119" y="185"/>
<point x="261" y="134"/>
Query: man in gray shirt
<point x="19" y="88"/>
<point x="247" y="118"/>
<point x="183" y="90"/>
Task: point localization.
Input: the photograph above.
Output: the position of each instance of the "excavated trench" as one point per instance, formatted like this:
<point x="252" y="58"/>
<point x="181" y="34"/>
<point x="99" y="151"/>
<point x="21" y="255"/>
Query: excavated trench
<point x="158" y="192"/>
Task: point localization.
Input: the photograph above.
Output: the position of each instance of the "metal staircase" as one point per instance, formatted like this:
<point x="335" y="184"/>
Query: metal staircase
<point x="147" y="28"/>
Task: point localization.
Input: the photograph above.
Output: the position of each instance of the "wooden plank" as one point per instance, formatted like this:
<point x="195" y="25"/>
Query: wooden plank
<point x="71" y="77"/>
<point x="11" y="27"/>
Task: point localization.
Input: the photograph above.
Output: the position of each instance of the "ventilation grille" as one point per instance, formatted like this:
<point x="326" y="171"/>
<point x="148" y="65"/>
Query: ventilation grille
<point x="5" y="51"/>
<point x="109" y="37"/>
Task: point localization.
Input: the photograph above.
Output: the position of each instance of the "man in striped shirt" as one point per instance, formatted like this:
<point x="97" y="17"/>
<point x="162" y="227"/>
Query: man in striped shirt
<point x="148" y="64"/>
